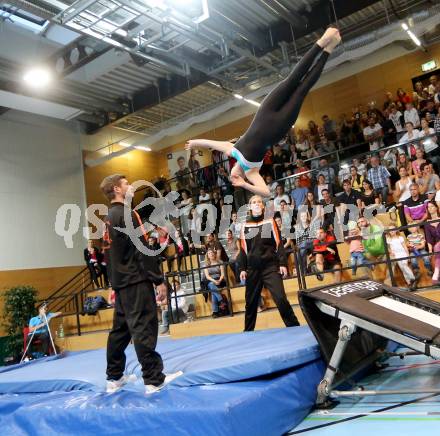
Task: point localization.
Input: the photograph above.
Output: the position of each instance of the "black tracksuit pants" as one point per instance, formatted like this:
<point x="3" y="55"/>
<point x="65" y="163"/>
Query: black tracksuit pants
<point x="270" y="278"/>
<point x="135" y="318"/>
<point x="280" y="109"/>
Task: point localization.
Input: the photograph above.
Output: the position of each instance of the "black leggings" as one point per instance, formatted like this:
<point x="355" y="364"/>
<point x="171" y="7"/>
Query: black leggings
<point x="281" y="107"/>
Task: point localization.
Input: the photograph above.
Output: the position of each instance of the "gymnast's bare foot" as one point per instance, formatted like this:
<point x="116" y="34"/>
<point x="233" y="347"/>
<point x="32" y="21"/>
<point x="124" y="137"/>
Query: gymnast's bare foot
<point x="335" y="40"/>
<point x="331" y="38"/>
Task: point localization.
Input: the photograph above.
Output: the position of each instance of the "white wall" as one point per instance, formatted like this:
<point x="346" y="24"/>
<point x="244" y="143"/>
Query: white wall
<point x="40" y="169"/>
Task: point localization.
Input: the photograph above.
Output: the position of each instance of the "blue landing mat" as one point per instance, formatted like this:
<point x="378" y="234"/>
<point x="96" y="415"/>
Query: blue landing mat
<point x="260" y="383"/>
<point x="204" y="360"/>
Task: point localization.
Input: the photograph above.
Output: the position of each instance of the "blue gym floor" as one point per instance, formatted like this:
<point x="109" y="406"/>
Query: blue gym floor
<point x="385" y="415"/>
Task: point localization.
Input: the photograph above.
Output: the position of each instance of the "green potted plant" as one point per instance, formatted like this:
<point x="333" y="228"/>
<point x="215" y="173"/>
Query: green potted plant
<point x="19" y="307"/>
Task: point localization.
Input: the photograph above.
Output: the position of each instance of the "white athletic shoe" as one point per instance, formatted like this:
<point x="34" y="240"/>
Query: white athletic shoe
<point x="114" y="385"/>
<point x="151" y="389"/>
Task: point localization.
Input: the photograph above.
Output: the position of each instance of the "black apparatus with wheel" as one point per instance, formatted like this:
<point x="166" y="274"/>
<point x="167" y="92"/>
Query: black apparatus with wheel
<point x="353" y="323"/>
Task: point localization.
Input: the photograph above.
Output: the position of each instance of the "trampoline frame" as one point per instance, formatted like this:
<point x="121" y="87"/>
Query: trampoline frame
<point x="349" y="324"/>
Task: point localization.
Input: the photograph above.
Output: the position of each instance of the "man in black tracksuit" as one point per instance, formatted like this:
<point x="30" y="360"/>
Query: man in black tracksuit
<point x="263" y="262"/>
<point x="132" y="275"/>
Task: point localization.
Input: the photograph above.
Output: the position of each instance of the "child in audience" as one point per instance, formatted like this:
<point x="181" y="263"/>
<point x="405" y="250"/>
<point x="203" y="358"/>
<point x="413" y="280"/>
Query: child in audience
<point x="417" y="247"/>
<point x="354" y="240"/>
<point x="398" y="249"/>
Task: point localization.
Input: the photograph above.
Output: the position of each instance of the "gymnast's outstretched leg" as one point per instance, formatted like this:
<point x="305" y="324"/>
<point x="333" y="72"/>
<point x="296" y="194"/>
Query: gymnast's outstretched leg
<point x="274" y="117"/>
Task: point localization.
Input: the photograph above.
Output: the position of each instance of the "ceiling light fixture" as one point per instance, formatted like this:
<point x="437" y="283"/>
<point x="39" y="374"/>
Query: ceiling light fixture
<point x="38" y="77"/>
<point x="252" y="102"/>
<point x="413" y="37"/>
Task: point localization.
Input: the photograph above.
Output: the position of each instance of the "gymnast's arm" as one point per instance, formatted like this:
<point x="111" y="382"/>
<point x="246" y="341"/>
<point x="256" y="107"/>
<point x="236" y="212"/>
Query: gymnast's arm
<point x="257" y="184"/>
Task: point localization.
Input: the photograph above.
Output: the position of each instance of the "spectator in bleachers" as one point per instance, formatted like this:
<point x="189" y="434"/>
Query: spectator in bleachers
<point x="402" y="187"/>
<point x="361" y="167"/>
<point x="204" y="196"/>
<point x="429" y="109"/>
<point x="302" y="145"/>
<point x="196" y="176"/>
<point x="280" y="161"/>
<point x="344" y="173"/>
<point x="224" y="183"/>
<point x="389" y="100"/>
<point x="320" y="186"/>
<point x="431" y="181"/>
<point x="161" y="234"/>
<point x="370" y="199"/>
<point x="410" y="135"/>
<point x="389" y="130"/>
<point x="280" y="196"/>
<point x="232" y="248"/>
<point x="403" y="161"/>
<point x="356" y="179"/>
<point x="432" y="232"/>
<point x="373" y="133"/>
<point x="217" y="202"/>
<point x="178" y="305"/>
<point x="419" y="160"/>
<point x="433" y="82"/>
<point x="181" y="250"/>
<point x="437" y="122"/>
<point x="372" y="240"/>
<point x="215" y="275"/>
<point x="430" y="145"/>
<point x="398" y="249"/>
<point x="298" y="194"/>
<point x="325" y="146"/>
<point x="416" y="206"/>
<point x="285" y="240"/>
<point x="235" y="226"/>
<point x="293" y="156"/>
<point x="313" y="129"/>
<point x="327" y="171"/>
<point x="312" y="205"/>
<point x="437" y="94"/>
<point x="418" y="89"/>
<point x="357" y="250"/>
<point x="388" y="159"/>
<point x="326" y="255"/>
<point x="348" y="199"/>
<point x="152" y="243"/>
<point x="380" y="178"/>
<point x="183" y="174"/>
<point x="271" y="185"/>
<point x="305" y="177"/>
<point x="402" y="96"/>
<point x="288" y="216"/>
<point x="305" y="233"/>
<point x="91" y="257"/>
<point x="416" y="243"/>
<point x="397" y="118"/>
<point x="330" y="210"/>
<point x="429" y="119"/>
<point x="329" y="126"/>
<point x="411" y="115"/>
<point x="211" y="243"/>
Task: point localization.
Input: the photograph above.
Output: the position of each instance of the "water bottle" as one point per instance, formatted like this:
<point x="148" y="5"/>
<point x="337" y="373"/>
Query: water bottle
<point x="61" y="331"/>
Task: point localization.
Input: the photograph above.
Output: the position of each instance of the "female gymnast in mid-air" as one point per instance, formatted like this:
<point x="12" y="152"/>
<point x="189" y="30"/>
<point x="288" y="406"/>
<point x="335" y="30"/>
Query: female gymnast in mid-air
<point x="274" y="118"/>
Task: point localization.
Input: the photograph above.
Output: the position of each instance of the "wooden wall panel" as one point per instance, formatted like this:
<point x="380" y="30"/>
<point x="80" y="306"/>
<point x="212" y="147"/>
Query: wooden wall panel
<point x="45" y="280"/>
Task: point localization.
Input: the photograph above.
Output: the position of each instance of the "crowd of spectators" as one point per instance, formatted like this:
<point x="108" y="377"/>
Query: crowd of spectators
<point x="386" y="155"/>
